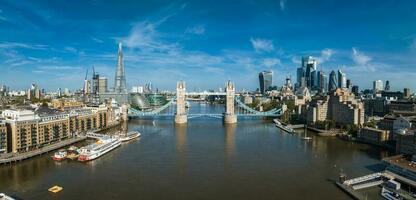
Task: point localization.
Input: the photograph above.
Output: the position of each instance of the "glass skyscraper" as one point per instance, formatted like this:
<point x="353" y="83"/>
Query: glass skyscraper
<point x="332" y="85"/>
<point x="342" y="79"/>
<point x="266" y="80"/>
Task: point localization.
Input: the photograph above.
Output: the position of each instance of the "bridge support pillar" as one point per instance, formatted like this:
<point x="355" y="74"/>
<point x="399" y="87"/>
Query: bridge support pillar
<point x="229" y="116"/>
<point x="180" y="115"/>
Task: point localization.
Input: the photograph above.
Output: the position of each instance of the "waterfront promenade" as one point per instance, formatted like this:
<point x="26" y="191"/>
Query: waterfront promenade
<point x="10" y="158"/>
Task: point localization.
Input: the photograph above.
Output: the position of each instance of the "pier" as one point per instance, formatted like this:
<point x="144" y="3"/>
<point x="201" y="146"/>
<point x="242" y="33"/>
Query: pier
<point x="12" y="158"/>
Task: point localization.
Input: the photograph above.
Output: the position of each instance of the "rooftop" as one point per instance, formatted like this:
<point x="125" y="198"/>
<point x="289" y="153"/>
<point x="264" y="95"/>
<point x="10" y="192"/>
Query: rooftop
<point x="401" y="161"/>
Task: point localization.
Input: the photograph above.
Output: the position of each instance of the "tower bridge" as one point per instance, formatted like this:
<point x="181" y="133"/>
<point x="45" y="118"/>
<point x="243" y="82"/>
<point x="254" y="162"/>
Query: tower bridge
<point x="234" y="107"/>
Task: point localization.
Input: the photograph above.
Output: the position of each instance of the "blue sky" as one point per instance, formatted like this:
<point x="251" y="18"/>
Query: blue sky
<point x="205" y="43"/>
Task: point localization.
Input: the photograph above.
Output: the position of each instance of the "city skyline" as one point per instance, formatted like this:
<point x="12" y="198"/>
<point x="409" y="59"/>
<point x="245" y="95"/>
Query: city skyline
<point x="162" y="41"/>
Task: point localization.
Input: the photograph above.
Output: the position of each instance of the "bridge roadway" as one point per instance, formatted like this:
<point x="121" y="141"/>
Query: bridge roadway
<point x="205" y="94"/>
<point x="214" y="115"/>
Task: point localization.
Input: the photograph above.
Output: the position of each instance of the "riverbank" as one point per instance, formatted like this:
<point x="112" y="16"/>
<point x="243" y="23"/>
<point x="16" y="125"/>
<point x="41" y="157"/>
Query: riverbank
<point x="12" y="158"/>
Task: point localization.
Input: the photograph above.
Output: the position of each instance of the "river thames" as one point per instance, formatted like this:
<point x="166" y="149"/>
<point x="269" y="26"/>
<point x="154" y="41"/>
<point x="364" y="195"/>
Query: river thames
<point x="201" y="160"/>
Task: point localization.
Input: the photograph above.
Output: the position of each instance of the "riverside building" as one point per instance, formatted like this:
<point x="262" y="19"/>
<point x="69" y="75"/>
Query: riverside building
<point x="339" y="106"/>
<point x="28" y="130"/>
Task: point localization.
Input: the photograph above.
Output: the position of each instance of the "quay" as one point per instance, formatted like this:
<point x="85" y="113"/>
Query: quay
<point x="12" y="158"/>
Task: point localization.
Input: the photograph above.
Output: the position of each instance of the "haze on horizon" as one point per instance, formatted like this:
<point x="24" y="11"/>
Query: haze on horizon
<point x="205" y="43"/>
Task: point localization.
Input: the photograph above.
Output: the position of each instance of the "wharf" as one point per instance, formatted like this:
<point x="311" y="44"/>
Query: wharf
<point x="351" y="192"/>
<point x="323" y="132"/>
<point x="11" y="158"/>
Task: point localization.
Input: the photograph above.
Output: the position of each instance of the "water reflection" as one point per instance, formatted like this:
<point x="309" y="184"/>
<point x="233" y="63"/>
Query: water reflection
<point x="229" y="140"/>
<point x="181" y="156"/>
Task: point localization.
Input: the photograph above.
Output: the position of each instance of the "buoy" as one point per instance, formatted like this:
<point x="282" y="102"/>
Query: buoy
<point x="55" y="189"/>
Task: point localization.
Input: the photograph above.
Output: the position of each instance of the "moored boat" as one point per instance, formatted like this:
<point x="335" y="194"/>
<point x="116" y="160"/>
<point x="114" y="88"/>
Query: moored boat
<point x="5" y="197"/>
<point x="283" y="127"/>
<point x="130" y="135"/>
<point x="99" y="148"/>
<point x="60" y="155"/>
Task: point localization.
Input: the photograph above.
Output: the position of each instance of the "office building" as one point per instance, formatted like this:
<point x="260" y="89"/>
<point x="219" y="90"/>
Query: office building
<point x="377" y="86"/>
<point x="333" y="82"/>
<point x="355" y="89"/>
<point x="406" y="93"/>
<point x="102" y="85"/>
<point x="307" y="73"/>
<point x="387" y="87"/>
<point x="349" y="85"/>
<point x="266" y="80"/>
<point x="342" y="79"/>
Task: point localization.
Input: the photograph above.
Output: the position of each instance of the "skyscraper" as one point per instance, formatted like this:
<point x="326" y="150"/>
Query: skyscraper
<point x="355" y="90"/>
<point x="120" y="76"/>
<point x="332" y="85"/>
<point x="266" y="79"/>
<point x="342" y="79"/>
<point x="377" y="86"/>
<point x="387" y="88"/>
<point x="306" y="73"/>
<point x="349" y="83"/>
<point x="322" y="82"/>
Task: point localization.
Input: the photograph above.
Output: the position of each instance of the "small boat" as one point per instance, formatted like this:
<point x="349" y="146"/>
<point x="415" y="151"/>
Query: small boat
<point x="60" y="155"/>
<point x="387" y="194"/>
<point x="55" y="189"/>
<point x="73" y="156"/>
<point x="130" y="136"/>
<point x="5" y="197"/>
<point x="99" y="148"/>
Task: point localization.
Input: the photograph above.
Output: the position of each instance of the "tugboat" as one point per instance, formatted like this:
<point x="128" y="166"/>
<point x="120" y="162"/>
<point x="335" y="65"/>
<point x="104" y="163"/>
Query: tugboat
<point x="129" y="136"/>
<point x="60" y="155"/>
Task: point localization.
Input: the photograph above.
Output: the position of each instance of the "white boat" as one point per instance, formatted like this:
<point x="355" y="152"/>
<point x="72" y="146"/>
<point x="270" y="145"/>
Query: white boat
<point x="130" y="135"/>
<point x="99" y="148"/>
<point x="305" y="137"/>
<point x="5" y="197"/>
<point x="60" y="155"/>
<point x="387" y="194"/>
<point x="281" y="126"/>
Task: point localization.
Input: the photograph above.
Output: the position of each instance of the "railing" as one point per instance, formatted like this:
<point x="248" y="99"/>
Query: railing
<point x="363" y="178"/>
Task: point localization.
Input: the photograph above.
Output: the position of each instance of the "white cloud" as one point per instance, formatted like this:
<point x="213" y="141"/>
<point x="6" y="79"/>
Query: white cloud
<point x="59" y="67"/>
<point x="13" y="45"/>
<point x="360" y="58"/>
<point x="71" y="49"/>
<point x="197" y="30"/>
<point x="282" y="4"/>
<point x="145" y="37"/>
<point x="97" y="40"/>
<point x="262" y="44"/>
<point x="270" y="62"/>
<point x="296" y="60"/>
<point x="326" y="55"/>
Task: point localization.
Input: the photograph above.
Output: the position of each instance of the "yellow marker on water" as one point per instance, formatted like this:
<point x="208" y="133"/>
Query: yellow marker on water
<point x="55" y="189"/>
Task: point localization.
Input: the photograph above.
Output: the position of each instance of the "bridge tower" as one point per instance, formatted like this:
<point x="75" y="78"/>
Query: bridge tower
<point x="180" y="115"/>
<point x="229" y="116"/>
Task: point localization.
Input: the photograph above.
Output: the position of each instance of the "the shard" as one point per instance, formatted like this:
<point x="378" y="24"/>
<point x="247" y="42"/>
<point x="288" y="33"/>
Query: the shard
<point x="120" y="78"/>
